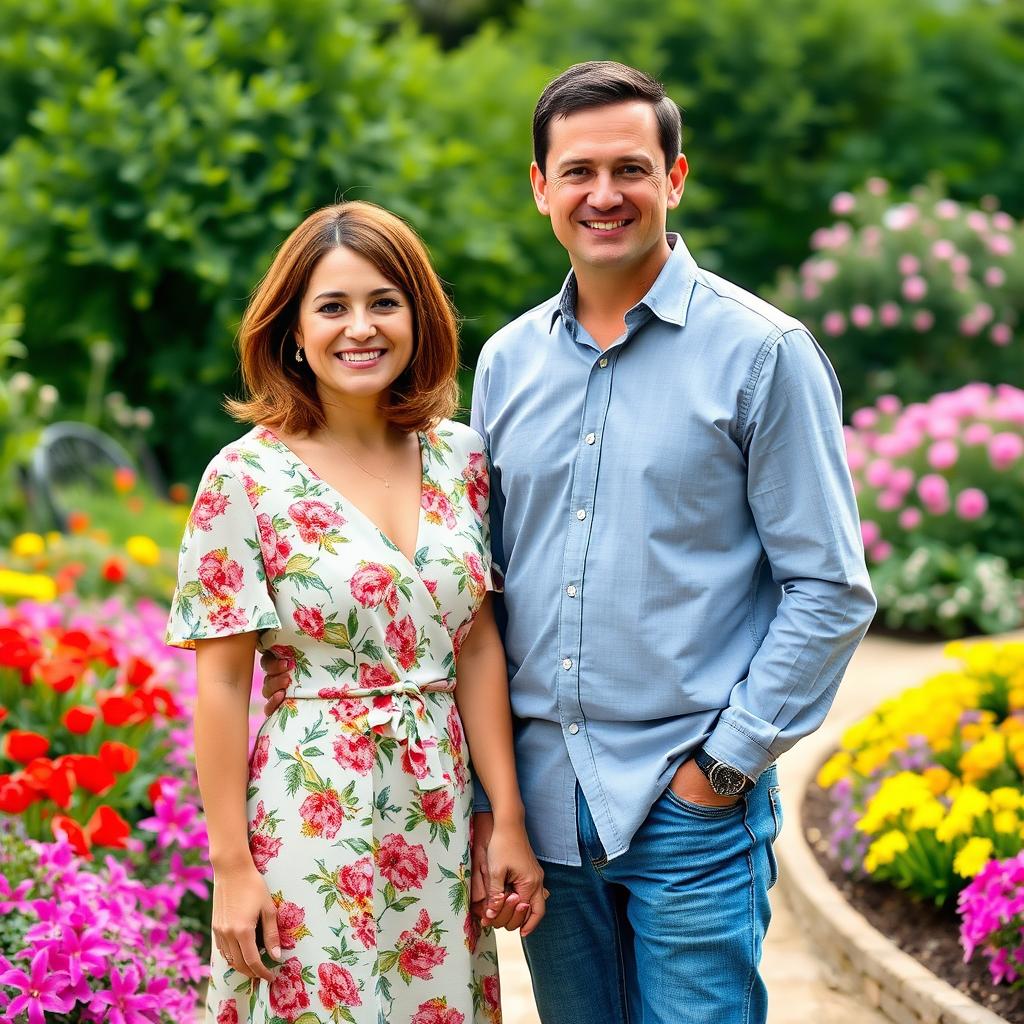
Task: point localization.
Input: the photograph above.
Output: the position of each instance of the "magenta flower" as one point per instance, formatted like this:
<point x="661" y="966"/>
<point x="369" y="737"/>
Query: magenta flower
<point x="910" y="518"/>
<point x="862" y="316"/>
<point x="971" y="504"/>
<point x="915" y="288"/>
<point x="40" y="991"/>
<point x="122" y="1003"/>
<point x="943" y="454"/>
<point x="1005" y="449"/>
<point x="833" y="323"/>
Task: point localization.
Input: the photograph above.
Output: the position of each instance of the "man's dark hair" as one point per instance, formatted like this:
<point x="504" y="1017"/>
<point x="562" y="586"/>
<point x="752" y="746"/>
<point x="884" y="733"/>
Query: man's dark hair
<point x="600" y="83"/>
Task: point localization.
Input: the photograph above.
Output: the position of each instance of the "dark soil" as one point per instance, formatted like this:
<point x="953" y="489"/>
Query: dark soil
<point x="926" y="932"/>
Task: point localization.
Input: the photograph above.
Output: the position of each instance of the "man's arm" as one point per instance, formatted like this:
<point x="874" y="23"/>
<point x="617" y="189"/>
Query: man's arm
<point x="802" y="500"/>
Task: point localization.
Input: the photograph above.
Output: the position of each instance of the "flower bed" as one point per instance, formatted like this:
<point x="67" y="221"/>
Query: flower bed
<point x="104" y="879"/>
<point x="926" y="795"/>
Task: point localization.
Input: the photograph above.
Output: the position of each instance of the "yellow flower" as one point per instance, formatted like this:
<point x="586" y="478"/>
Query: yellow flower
<point x="884" y="850"/>
<point x="53" y="538"/>
<point x="24" y="584"/>
<point x="968" y="804"/>
<point x="837" y="766"/>
<point x="25" y="545"/>
<point x="984" y="757"/>
<point x="905" y="791"/>
<point x="973" y="856"/>
<point x="928" y="816"/>
<point x="1006" y="798"/>
<point x="1005" y="822"/>
<point x="143" y="550"/>
<point x="938" y="779"/>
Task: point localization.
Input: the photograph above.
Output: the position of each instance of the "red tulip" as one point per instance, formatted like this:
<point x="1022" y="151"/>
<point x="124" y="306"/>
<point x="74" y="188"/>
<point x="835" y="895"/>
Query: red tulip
<point x="120" y="710"/>
<point x="113" y="570"/>
<point x="3" y="714"/>
<point x="107" y="828"/>
<point x="80" y="719"/>
<point x="138" y="671"/>
<point x="59" y="674"/>
<point x="118" y="757"/>
<point x="92" y="774"/>
<point x="73" y="831"/>
<point x="22" y="746"/>
<point x="15" y="795"/>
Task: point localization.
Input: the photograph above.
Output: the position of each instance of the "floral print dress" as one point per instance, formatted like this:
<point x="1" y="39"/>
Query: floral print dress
<point x="359" y="799"/>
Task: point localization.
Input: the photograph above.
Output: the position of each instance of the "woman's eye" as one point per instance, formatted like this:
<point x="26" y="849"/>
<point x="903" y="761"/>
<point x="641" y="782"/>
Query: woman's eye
<point x="331" y="307"/>
<point x="386" y="304"/>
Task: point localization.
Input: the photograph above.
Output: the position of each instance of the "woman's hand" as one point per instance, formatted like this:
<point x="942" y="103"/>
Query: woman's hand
<point x="241" y="900"/>
<point x="514" y="880"/>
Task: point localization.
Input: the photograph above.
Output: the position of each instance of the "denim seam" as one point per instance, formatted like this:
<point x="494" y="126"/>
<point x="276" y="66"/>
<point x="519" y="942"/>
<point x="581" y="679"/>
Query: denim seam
<point x="623" y="999"/>
<point x="750" y="919"/>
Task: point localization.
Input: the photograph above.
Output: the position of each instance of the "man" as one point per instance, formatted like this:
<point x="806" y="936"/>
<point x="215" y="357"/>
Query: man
<point x="684" y="577"/>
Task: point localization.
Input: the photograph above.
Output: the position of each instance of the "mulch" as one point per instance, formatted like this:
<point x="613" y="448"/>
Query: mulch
<point x="928" y="933"/>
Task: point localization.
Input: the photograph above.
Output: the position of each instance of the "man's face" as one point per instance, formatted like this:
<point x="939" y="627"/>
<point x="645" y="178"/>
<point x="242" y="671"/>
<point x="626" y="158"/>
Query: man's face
<point x="606" y="189"/>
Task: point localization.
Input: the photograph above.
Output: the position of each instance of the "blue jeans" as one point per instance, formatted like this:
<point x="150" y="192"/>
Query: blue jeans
<point x="671" y="931"/>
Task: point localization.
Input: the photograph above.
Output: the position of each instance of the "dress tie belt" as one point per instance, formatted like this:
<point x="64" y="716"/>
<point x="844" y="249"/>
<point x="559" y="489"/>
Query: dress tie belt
<point x="400" y="712"/>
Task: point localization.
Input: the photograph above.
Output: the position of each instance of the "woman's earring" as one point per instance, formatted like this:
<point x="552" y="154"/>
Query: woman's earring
<point x="298" y="355"/>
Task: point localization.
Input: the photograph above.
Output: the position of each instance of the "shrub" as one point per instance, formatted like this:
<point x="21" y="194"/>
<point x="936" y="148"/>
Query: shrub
<point x="916" y="296"/>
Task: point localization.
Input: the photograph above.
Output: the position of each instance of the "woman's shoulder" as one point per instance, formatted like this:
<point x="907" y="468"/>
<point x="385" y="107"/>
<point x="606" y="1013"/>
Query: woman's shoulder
<point x="244" y="455"/>
<point x="459" y="437"/>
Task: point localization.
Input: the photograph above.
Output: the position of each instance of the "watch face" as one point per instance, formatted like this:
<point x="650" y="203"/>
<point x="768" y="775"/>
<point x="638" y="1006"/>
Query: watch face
<point x="726" y="781"/>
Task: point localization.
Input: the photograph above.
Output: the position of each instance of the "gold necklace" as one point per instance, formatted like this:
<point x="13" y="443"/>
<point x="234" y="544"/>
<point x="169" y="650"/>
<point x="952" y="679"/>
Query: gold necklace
<point x="385" y="480"/>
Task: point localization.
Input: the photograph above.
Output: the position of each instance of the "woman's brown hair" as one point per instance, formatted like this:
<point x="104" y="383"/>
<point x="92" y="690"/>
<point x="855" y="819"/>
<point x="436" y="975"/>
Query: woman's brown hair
<point x="282" y="392"/>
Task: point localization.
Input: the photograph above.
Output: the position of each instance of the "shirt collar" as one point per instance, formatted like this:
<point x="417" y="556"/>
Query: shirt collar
<point x="668" y="298"/>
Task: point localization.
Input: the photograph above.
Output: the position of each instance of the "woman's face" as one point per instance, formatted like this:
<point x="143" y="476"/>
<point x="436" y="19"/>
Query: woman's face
<point x="355" y="327"/>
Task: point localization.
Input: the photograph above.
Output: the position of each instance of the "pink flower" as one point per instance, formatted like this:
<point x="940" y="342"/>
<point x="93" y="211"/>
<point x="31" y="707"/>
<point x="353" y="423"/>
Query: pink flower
<point x="322" y="814"/>
<point x="933" y="490"/>
<point x="943" y="454"/>
<point x="364" y="928"/>
<point x="356" y="752"/>
<point x="971" y="504"/>
<point x="276" y="549"/>
<point x="288" y="993"/>
<point x="947" y="209"/>
<point x="902" y="480"/>
<point x="39" y="991"/>
<point x="864" y="419"/>
<point x="877" y="186"/>
<point x="909" y="265"/>
<point x="264" y="848"/>
<point x="315" y="519"/>
<point x="889" y="314"/>
<point x="260" y="756"/>
<point x="1005" y="449"/>
<point x="923" y="320"/>
<point x="373" y="584"/>
<point x="291" y="919"/>
<point x="219" y="574"/>
<point x="977" y="433"/>
<point x="843" y="204"/>
<point x="454" y="728"/>
<point x="208" y="505"/>
<point x="475" y="575"/>
<point x="337" y="987"/>
<point x="403" y="865"/>
<point x="1001" y="334"/>
<point x="833" y="323"/>
<point x="995" y="277"/>
<point x="438" y="806"/>
<point x="880" y="551"/>
<point x="310" y="621"/>
<point x="878" y="472"/>
<point x="862" y="316"/>
<point x="969" y="326"/>
<point x="943" y="249"/>
<point x="889" y="501"/>
<point x="419" y="957"/>
<point x="1000" y="245"/>
<point x="227" y="619"/>
<point x="356" y="880"/>
<point x="437" y="1011"/>
<point x="437" y="507"/>
<point x="915" y="288"/>
<point x="227" y="1012"/>
<point x="869" y="532"/>
<point x="810" y="289"/>
<point x="401" y="639"/>
<point x="960" y="265"/>
<point x="478" y="486"/>
<point x="910" y="518"/>
<point x="376" y="677"/>
<point x="492" y="991"/>
<point x="344" y="709"/>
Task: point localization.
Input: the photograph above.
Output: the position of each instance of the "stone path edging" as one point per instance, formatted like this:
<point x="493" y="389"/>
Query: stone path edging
<point x="865" y="961"/>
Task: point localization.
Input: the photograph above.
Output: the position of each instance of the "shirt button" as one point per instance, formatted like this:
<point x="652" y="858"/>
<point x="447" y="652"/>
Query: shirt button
<point x="581" y="514"/>
<point x="570" y="590"/>
<point x="603" y="363"/>
<point x="590" y="438"/>
<point x="574" y="728"/>
<point x="567" y="663"/>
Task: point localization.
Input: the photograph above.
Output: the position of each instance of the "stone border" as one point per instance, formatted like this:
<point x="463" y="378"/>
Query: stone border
<point x="865" y="963"/>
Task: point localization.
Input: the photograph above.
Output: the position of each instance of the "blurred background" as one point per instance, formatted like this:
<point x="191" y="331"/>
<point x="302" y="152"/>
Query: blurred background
<point x="858" y="162"/>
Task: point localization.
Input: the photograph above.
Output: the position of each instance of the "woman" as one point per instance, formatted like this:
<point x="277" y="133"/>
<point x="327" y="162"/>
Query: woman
<point x="347" y="532"/>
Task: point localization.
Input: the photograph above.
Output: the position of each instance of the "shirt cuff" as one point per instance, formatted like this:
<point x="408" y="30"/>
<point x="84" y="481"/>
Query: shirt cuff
<point x="481" y="804"/>
<point x="730" y="743"/>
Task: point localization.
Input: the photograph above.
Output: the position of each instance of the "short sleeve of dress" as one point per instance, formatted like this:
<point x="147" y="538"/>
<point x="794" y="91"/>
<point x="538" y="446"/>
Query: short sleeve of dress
<point x="222" y="584"/>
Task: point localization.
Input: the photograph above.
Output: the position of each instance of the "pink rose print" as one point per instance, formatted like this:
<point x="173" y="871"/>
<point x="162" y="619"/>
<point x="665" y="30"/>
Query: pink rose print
<point x="437" y="507"/>
<point x="373" y="584"/>
<point x="337" y="987"/>
<point x="228" y="618"/>
<point x="414" y="757"/>
<point x="400" y="637"/>
<point x="492" y="992"/>
<point x="227" y="1012"/>
<point x="291" y="923"/>
<point x="321" y="814"/>
<point x="208" y="505"/>
<point x="310" y="621"/>
<point x="261" y="755"/>
<point x="438" y="806"/>
<point x="375" y="677"/>
<point x="344" y="709"/>
<point x="431" y="585"/>
<point x="252" y="489"/>
<point x="315" y="519"/>
<point x="460" y="636"/>
<point x="356" y="752"/>
<point x="420" y="957"/>
<point x="404" y="866"/>
<point x="473" y="931"/>
<point x="364" y="928"/>
<point x="478" y="484"/>
<point x="356" y="880"/>
<point x="264" y="849"/>
<point x="454" y="728"/>
<point x="219" y="574"/>
<point x="475" y="570"/>
<point x="437" y="1011"/>
<point x="275" y="549"/>
<point x="288" y="994"/>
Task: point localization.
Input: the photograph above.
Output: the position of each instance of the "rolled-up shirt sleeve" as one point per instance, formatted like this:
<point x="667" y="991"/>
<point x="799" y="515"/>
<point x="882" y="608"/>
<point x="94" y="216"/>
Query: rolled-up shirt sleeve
<point x="804" y="509"/>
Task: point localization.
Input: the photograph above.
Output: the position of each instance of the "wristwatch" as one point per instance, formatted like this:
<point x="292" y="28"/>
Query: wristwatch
<point x="725" y="780"/>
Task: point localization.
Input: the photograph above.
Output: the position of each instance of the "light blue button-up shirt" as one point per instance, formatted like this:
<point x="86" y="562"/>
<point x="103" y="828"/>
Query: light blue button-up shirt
<point x="680" y="542"/>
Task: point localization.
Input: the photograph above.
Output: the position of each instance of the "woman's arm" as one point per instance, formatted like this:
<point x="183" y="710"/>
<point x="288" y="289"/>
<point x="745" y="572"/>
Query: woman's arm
<point x="482" y="697"/>
<point x="240" y="895"/>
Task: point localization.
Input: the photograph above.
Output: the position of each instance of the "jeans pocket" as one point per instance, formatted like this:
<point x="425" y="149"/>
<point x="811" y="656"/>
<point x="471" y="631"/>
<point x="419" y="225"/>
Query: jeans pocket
<point x="702" y="810"/>
<point x="775" y="802"/>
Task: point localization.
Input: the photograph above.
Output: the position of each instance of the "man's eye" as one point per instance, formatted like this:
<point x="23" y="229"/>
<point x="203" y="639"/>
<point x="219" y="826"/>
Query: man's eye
<point x="633" y="169"/>
<point x="576" y="172"/>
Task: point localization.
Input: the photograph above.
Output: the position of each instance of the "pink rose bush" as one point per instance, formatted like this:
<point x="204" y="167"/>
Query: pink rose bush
<point x="940" y="487"/>
<point x="921" y="293"/>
